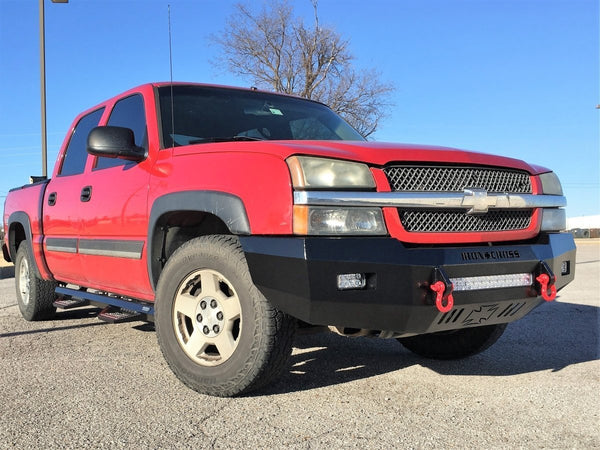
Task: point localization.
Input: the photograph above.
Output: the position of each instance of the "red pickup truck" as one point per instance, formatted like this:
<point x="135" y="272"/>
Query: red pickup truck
<point x="232" y="218"/>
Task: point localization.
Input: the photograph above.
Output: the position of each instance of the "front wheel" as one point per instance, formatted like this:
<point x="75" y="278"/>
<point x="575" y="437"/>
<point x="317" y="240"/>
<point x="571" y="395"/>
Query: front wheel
<point x="217" y="332"/>
<point x="455" y="344"/>
<point x="35" y="296"/>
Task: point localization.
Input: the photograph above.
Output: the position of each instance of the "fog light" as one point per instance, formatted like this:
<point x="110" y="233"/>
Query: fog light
<point x="347" y="281"/>
<point x="565" y="268"/>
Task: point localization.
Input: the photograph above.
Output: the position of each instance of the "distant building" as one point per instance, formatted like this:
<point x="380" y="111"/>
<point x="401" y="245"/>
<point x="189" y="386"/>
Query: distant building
<point x="584" y="226"/>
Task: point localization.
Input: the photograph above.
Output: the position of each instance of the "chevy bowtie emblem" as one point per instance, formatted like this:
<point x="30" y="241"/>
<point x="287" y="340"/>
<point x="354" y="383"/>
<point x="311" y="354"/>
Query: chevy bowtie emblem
<point x="480" y="315"/>
<point x="478" y="200"/>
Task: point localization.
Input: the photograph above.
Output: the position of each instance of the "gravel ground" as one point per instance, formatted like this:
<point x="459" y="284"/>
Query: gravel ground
<point x="76" y="382"/>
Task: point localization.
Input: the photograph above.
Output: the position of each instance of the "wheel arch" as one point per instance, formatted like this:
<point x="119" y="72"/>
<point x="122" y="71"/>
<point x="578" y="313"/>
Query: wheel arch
<point x="19" y="230"/>
<point x="177" y="217"/>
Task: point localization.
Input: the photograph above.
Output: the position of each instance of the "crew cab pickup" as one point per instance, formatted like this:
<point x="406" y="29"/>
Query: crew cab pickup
<point x="232" y="218"/>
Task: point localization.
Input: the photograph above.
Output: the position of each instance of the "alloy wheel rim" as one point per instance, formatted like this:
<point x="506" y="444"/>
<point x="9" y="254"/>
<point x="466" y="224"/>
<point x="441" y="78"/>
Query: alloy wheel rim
<point x="24" y="281"/>
<point x="207" y="317"/>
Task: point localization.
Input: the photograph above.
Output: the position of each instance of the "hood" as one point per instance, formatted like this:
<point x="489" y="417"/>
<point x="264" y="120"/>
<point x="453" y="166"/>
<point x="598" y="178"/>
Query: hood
<point x="371" y="153"/>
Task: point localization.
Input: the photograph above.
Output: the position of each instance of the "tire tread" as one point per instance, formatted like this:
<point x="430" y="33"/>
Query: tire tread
<point x="274" y="329"/>
<point x="41" y="292"/>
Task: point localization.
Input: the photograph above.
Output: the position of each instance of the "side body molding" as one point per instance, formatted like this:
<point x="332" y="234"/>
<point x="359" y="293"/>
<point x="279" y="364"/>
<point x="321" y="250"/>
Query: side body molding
<point x="227" y="207"/>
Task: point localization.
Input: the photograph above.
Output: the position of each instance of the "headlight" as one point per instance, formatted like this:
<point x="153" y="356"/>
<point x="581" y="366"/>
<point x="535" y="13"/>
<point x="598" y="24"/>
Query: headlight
<point x="322" y="173"/>
<point x="322" y="220"/>
<point x="550" y="184"/>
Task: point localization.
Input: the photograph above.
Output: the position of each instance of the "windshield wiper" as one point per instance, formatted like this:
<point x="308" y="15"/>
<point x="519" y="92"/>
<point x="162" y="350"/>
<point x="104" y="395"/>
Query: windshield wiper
<point x="225" y="139"/>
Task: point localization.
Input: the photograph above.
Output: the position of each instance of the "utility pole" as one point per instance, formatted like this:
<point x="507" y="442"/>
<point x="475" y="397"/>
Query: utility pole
<point x="43" y="85"/>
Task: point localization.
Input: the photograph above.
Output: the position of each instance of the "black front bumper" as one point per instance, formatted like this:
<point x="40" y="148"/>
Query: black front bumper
<point x="299" y="276"/>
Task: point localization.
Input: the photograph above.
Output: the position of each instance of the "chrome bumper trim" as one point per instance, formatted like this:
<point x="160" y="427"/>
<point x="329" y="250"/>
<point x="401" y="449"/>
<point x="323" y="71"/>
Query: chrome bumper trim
<point x="474" y="200"/>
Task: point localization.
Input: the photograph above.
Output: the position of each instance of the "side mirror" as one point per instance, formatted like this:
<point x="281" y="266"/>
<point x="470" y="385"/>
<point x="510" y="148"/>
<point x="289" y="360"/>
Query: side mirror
<point x="114" y="142"/>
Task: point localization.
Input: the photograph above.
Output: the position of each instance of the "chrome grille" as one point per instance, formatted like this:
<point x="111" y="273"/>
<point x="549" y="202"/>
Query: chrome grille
<point x="458" y="221"/>
<point x="437" y="178"/>
<point x="456" y="179"/>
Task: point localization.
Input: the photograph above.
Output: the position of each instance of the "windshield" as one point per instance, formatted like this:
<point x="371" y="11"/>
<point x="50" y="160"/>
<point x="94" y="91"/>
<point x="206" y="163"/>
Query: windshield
<point x="211" y="114"/>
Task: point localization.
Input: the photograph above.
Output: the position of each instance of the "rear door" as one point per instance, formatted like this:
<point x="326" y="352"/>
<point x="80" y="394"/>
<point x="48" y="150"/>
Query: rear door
<point x="61" y="203"/>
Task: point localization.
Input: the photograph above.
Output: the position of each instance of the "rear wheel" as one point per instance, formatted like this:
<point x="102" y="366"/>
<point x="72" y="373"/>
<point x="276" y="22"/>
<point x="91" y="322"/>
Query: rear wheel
<point x="35" y="296"/>
<point x="454" y="344"/>
<point x="217" y="332"/>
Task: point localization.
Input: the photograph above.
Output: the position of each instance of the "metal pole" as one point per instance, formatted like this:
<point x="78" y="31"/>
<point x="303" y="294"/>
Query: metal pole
<point x="43" y="90"/>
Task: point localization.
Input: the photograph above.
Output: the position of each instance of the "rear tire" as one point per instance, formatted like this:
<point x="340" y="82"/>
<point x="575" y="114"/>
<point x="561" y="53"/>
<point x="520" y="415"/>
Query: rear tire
<point x="455" y="344"/>
<point x="217" y="332"/>
<point x="35" y="296"/>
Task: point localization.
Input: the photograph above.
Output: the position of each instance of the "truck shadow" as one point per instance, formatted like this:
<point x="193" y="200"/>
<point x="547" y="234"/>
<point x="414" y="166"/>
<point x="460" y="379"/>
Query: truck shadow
<point x="89" y="312"/>
<point x="66" y="315"/>
<point x="50" y="329"/>
<point x="77" y="313"/>
<point x="7" y="272"/>
<point x="552" y="337"/>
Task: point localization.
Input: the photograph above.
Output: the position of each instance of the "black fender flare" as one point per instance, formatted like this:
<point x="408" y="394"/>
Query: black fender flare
<point x="227" y="207"/>
<point x="21" y="218"/>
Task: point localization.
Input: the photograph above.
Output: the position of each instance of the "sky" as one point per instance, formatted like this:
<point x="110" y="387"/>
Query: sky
<point x="518" y="78"/>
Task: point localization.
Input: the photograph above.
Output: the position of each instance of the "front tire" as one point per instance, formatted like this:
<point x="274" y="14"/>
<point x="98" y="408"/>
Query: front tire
<point x="455" y="344"/>
<point x="35" y="296"/>
<point x="217" y="332"/>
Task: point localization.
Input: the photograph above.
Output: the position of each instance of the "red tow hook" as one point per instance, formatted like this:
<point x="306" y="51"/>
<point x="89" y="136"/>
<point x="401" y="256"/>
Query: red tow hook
<point x="544" y="279"/>
<point x="439" y="287"/>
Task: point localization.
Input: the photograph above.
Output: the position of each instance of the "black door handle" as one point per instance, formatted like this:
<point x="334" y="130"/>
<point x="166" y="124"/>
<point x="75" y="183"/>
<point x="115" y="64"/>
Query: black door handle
<point x="86" y="194"/>
<point x="52" y="199"/>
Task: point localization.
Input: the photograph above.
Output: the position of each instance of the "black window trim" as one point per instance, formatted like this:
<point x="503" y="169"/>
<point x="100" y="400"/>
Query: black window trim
<point x="159" y="119"/>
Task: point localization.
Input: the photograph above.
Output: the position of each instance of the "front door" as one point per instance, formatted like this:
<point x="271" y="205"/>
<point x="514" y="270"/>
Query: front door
<point x="114" y="219"/>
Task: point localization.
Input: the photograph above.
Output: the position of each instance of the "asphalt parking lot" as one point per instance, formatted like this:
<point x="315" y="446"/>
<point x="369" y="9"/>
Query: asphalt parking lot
<point x="77" y="382"/>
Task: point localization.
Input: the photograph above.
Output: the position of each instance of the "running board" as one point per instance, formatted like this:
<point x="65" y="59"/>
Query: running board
<point x="69" y="303"/>
<point x="130" y="306"/>
<point x="113" y="314"/>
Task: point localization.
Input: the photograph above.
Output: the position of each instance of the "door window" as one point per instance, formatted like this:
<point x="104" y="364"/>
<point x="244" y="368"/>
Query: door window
<point x="127" y="113"/>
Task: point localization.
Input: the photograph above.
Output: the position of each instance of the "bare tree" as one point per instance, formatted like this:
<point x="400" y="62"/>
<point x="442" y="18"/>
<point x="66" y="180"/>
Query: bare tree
<point x="278" y="51"/>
